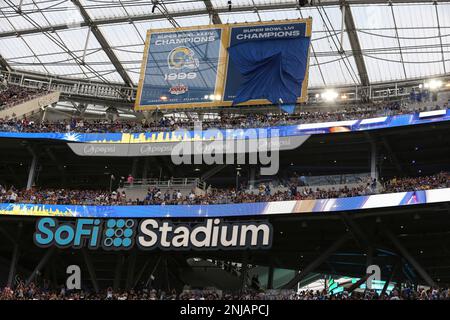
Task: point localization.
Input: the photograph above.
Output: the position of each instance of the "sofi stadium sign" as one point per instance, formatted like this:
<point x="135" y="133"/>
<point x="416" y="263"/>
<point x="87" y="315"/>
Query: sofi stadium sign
<point x="149" y="234"/>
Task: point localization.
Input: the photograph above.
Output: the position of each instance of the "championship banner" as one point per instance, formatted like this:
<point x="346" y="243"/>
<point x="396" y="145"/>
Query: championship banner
<point x="224" y="65"/>
<point x="180" y="67"/>
<point x="268" y="62"/>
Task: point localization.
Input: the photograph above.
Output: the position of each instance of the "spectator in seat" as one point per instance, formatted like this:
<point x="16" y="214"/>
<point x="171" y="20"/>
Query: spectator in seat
<point x="130" y="179"/>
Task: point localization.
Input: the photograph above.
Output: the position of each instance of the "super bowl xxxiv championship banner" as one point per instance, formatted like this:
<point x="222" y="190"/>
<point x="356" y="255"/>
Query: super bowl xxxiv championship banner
<point x="224" y="65"/>
<point x="149" y="234"/>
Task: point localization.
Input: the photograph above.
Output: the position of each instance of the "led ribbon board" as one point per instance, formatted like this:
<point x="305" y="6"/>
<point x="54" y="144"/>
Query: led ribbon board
<point x="213" y="65"/>
<point x="398" y="199"/>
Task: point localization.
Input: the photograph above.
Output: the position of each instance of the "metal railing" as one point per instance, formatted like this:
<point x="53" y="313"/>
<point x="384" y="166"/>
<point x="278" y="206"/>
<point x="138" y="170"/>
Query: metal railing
<point x="71" y="87"/>
<point x="172" y="183"/>
<point x="318" y="180"/>
<point x="120" y="93"/>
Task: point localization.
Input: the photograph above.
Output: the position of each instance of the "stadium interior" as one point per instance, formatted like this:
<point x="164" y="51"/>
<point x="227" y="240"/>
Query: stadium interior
<point x="362" y="178"/>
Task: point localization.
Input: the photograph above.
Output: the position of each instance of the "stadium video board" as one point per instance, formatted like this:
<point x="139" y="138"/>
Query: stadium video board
<point x="225" y="65"/>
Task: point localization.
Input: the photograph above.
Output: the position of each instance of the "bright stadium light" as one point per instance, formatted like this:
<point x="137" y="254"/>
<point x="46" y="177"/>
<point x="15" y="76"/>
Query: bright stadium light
<point x="329" y="95"/>
<point x="433" y="84"/>
<point x="217" y="97"/>
<point x="211" y="97"/>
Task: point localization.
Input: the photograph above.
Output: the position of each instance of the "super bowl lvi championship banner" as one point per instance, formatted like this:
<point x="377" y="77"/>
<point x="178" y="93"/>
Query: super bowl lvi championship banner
<point x="268" y="62"/>
<point x="224" y="65"/>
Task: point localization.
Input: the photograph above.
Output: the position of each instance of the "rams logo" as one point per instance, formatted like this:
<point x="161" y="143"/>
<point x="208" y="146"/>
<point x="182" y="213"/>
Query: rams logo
<point x="182" y="57"/>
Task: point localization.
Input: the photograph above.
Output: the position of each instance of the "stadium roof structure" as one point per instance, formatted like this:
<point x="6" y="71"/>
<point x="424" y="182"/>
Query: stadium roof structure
<point x="103" y="40"/>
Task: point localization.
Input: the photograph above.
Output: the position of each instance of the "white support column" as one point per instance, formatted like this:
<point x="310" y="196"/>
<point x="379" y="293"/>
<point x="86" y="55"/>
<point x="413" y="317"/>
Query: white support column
<point x="341" y="49"/>
<point x="134" y="167"/>
<point x="32" y="172"/>
<point x="40" y="265"/>
<point x="252" y="177"/>
<point x="13" y="266"/>
<point x="373" y="161"/>
<point x="86" y="45"/>
<point x="145" y="170"/>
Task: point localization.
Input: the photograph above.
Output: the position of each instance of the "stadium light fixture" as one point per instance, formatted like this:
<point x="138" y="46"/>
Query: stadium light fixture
<point x="163" y="98"/>
<point x="329" y="95"/>
<point x="344" y="97"/>
<point x="125" y="115"/>
<point x="433" y="84"/>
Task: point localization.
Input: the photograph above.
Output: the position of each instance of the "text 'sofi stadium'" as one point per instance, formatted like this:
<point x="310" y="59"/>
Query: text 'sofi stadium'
<point x="265" y="147"/>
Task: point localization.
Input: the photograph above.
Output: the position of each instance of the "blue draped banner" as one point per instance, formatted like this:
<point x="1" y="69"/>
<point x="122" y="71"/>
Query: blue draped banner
<point x="267" y="62"/>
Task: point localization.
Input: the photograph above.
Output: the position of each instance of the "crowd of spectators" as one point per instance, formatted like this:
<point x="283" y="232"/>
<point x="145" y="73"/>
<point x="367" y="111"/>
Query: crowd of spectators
<point x="34" y="292"/>
<point x="155" y="196"/>
<point x="62" y="196"/>
<point x="223" y="121"/>
<point x="441" y="180"/>
<point x="10" y="95"/>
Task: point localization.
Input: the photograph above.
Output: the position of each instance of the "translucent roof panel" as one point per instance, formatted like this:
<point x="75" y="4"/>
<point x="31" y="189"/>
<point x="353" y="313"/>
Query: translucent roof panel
<point x="402" y="41"/>
<point x="60" y="53"/>
<point x="327" y="66"/>
<point x="19" y="55"/>
<point x="125" y="8"/>
<point x="37" y="13"/>
<point x="249" y="3"/>
<point x="444" y="22"/>
<point x="418" y="34"/>
<point x="239" y="17"/>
